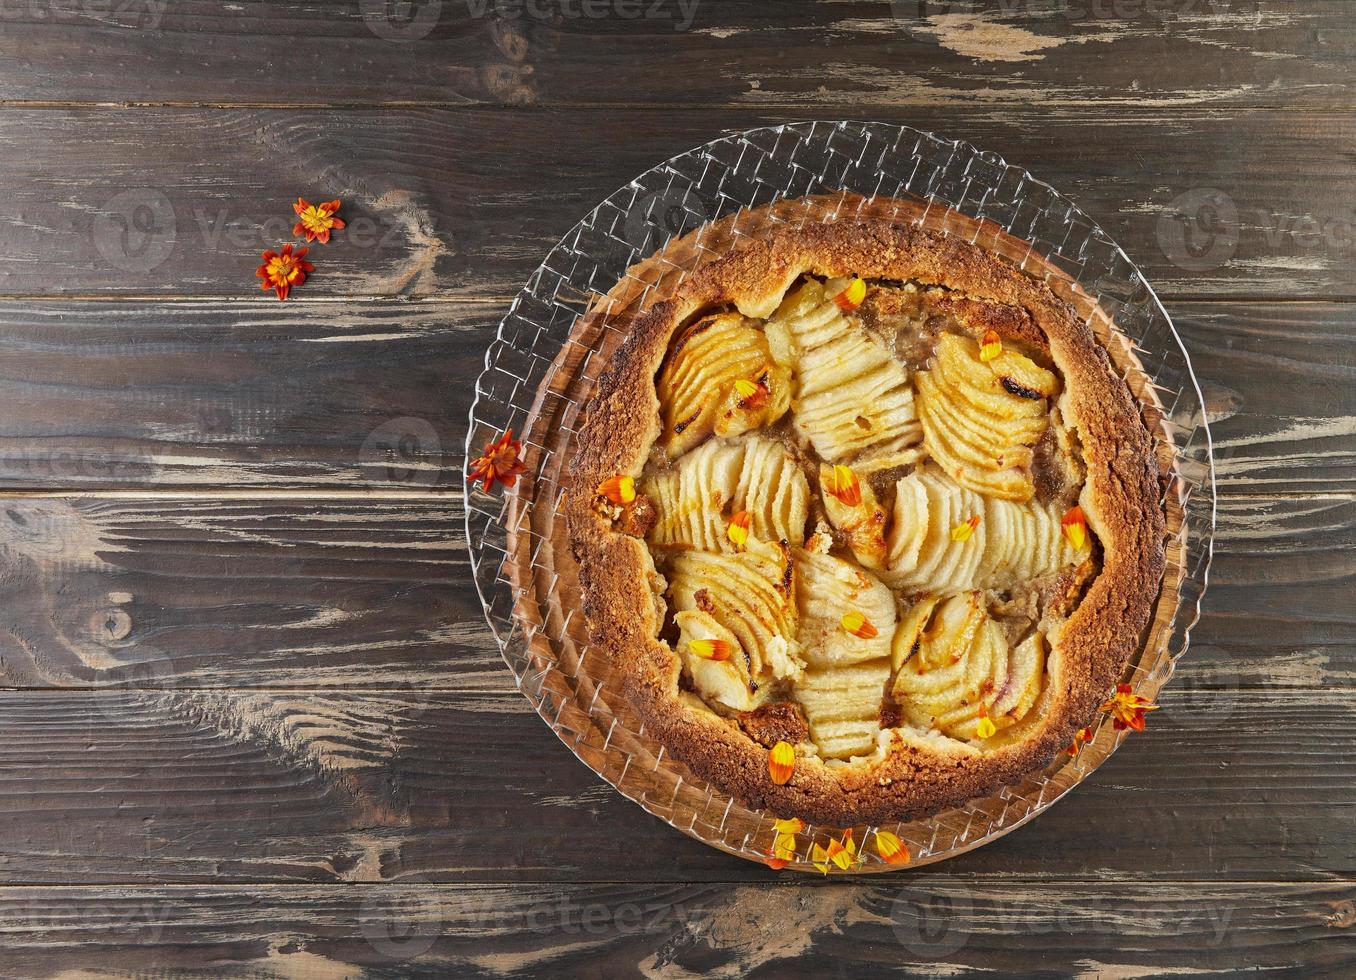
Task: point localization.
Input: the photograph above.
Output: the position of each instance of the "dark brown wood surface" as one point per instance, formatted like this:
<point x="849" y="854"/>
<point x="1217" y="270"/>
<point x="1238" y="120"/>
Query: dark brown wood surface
<point x="252" y="722"/>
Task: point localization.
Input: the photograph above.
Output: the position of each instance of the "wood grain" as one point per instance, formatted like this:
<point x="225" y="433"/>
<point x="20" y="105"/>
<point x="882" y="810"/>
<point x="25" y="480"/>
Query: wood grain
<point x="467" y="202"/>
<point x="374" y="394"/>
<point x="917" y="925"/>
<point x="304" y="786"/>
<point x="1287" y="54"/>
<point x="207" y="591"/>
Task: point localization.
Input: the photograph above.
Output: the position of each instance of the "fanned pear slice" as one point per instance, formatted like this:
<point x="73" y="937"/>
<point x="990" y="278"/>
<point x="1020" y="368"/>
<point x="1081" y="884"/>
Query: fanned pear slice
<point x="696" y="497"/>
<point x="854" y="400"/>
<point x="965" y="672"/>
<point x="862" y="523"/>
<point x="719" y="378"/>
<point x="981" y="419"/>
<point x="725" y="680"/>
<point x="829" y="588"/>
<point x="842" y="706"/>
<point x="1011" y="543"/>
<point x="751" y="594"/>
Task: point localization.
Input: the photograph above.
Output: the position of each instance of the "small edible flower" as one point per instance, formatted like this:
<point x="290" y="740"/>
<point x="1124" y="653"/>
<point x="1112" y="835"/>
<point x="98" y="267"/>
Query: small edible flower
<point x="1127" y="709"/>
<point x="316" y="221"/>
<point x="1080" y="736"/>
<point x="499" y="462"/>
<point x="283" y="270"/>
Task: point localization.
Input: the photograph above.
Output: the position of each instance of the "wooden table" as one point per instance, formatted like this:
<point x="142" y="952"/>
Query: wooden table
<point x="252" y="720"/>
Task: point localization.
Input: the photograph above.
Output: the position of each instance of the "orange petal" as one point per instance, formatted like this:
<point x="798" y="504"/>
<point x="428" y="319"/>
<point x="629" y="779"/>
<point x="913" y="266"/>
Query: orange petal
<point x="738" y="531"/>
<point x="891" y="849"/>
<point x="843" y="485"/>
<point x="774" y="862"/>
<point x="752" y="394"/>
<point x="984" y="728"/>
<point x="858" y="625"/>
<point x="781" y="762"/>
<point x="1075" y="527"/>
<point x="711" y="649"/>
<point x="618" y="489"/>
<point x="851" y="297"/>
<point x="792" y="826"/>
<point x="991" y="346"/>
<point x="819" y="858"/>
<point x="963" y="530"/>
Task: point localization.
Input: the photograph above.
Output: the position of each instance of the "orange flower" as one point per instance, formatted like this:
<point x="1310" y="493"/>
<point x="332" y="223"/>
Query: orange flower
<point x="752" y="394"/>
<point x="991" y="346"/>
<point x="1075" y="527"/>
<point x="738" y="531"/>
<point x="500" y="461"/>
<point x="781" y="761"/>
<point x="891" y="849"/>
<point x="851" y="297"/>
<point x="963" y="530"/>
<point x="618" y="489"/>
<point x="858" y="625"/>
<point x="984" y="728"/>
<point x="317" y="220"/>
<point x="1080" y="736"/>
<point x="711" y="649"/>
<point x="844" y="485"/>
<point x="283" y="270"/>
<point x="1128" y="709"/>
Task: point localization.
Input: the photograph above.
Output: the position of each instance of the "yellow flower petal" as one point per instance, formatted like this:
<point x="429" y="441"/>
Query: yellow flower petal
<point x="963" y="530"/>
<point x="781" y="762"/>
<point x="618" y="489"/>
<point x="991" y="346"/>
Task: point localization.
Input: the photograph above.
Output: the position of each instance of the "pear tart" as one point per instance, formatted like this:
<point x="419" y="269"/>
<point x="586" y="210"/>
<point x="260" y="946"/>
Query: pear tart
<point x="873" y="493"/>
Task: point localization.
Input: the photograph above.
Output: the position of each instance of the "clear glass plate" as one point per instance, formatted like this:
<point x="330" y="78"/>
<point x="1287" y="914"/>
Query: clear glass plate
<point x="636" y="245"/>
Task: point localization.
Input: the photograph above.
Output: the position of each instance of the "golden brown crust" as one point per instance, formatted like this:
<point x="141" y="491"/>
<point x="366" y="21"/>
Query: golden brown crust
<point x="917" y="774"/>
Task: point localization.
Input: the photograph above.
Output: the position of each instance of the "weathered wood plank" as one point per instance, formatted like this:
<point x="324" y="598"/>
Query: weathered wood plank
<point x="922" y="925"/>
<point x="178" y="202"/>
<point x="1287" y="53"/>
<point x="105" y="395"/>
<point x="214" y="592"/>
<point x="230" y="786"/>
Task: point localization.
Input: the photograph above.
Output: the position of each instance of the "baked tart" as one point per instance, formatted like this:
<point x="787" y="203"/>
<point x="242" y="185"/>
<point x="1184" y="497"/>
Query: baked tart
<point x="865" y="521"/>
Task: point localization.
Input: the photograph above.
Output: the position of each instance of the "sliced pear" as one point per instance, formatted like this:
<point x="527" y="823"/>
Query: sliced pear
<point x="696" y="384"/>
<point x="726" y="681"/>
<point x="696" y="497"/>
<point x="842" y="706"/>
<point x="827" y="588"/>
<point x="910" y="632"/>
